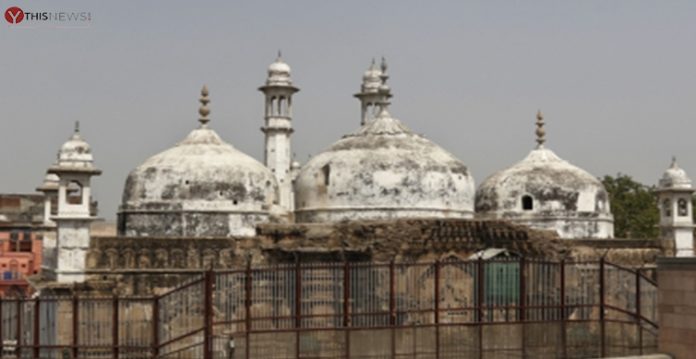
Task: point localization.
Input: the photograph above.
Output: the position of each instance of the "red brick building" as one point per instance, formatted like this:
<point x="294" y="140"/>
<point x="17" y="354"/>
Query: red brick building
<point x="22" y="229"/>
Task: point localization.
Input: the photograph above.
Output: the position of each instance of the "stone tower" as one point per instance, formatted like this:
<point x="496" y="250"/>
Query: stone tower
<point x="74" y="169"/>
<point x="278" y="91"/>
<point x="372" y="93"/>
<point x="674" y="193"/>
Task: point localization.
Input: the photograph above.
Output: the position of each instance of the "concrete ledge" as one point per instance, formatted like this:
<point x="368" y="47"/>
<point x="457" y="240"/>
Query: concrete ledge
<point x="676" y="263"/>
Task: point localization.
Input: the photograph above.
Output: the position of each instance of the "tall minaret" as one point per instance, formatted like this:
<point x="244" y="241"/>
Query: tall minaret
<point x="278" y="128"/>
<point x="371" y="93"/>
<point x="74" y="169"/>
<point x="674" y="193"/>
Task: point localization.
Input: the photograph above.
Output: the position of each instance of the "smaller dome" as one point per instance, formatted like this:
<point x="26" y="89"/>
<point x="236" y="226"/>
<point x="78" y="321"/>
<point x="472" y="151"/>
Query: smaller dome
<point x="75" y="155"/>
<point x="279" y="73"/>
<point x="279" y="67"/>
<point x="675" y="177"/>
<point x="50" y="183"/>
<point x="75" y="150"/>
<point x="372" y="78"/>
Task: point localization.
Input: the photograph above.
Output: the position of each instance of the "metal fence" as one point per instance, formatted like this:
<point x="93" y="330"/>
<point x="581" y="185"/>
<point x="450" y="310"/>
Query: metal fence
<point x="450" y="309"/>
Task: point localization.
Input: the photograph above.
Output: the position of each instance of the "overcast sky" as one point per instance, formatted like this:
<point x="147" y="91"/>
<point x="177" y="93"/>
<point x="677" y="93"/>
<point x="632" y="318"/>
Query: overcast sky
<point x="615" y="79"/>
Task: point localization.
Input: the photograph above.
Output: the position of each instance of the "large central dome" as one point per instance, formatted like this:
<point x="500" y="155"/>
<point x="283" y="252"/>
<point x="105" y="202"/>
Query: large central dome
<point x="383" y="171"/>
<point x="201" y="187"/>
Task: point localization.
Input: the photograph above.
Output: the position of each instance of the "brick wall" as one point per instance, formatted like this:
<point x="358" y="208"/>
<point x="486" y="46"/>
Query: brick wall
<point x="676" y="278"/>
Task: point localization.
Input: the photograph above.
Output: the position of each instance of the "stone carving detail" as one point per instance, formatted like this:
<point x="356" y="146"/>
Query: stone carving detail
<point x="209" y="257"/>
<point x="144" y="259"/>
<point x="177" y="259"/>
<point x="161" y="258"/>
<point x="193" y="258"/>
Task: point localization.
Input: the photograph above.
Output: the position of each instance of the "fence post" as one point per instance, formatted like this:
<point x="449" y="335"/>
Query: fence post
<point x="479" y="304"/>
<point x="639" y="318"/>
<point x="37" y="326"/>
<point x="563" y="311"/>
<point x="346" y="306"/>
<point x="247" y="309"/>
<point x="114" y="325"/>
<point x="75" y="325"/>
<point x="436" y="296"/>
<point x="392" y="309"/>
<point x="209" y="284"/>
<point x="155" y="327"/>
<point x="523" y="304"/>
<point x="601" y="307"/>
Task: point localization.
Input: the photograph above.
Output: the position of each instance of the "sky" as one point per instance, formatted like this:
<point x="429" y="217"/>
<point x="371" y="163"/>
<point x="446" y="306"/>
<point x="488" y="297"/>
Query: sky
<point x="616" y="80"/>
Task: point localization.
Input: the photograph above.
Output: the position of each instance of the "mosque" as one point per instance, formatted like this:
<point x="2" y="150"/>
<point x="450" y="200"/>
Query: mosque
<point x="204" y="188"/>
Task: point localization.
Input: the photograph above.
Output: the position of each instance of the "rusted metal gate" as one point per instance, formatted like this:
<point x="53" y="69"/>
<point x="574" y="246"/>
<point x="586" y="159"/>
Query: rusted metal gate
<point x="449" y="309"/>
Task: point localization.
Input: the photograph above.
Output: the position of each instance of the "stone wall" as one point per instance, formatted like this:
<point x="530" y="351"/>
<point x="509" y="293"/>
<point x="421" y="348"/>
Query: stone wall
<point x="677" y="306"/>
<point x="158" y="263"/>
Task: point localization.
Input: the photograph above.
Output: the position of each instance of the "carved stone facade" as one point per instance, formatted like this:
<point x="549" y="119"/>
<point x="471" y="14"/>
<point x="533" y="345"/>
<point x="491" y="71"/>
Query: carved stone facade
<point x="157" y="264"/>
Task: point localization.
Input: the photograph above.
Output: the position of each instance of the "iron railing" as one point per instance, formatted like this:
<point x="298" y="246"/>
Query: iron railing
<point x="444" y="309"/>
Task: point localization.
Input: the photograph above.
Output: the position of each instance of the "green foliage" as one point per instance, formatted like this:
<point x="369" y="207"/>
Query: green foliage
<point x="634" y="207"/>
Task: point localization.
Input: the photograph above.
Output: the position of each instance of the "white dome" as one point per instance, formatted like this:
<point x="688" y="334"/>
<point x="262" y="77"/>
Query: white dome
<point x="202" y="187"/>
<point x="279" y="67"/>
<point x="383" y="171"/>
<point x="50" y="183"/>
<point x="200" y="175"/>
<point x="675" y="177"/>
<point x="547" y="192"/>
<point x="75" y="152"/>
<point x="279" y="73"/>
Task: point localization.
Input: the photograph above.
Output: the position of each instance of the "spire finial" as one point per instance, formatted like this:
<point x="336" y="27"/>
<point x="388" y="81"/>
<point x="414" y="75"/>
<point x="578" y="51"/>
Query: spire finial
<point x="204" y="111"/>
<point x="383" y="65"/>
<point x="77" y="126"/>
<point x="280" y="56"/>
<point x="674" y="162"/>
<point x="540" y="133"/>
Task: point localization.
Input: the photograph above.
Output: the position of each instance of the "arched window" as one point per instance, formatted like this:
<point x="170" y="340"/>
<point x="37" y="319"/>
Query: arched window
<point x="74" y="192"/>
<point x="682" y="207"/>
<point x="327" y="173"/>
<point x="667" y="207"/>
<point x="527" y="203"/>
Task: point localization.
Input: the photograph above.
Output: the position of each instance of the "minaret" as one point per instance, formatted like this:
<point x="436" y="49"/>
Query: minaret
<point x="74" y="169"/>
<point x="278" y="91"/>
<point x="370" y="95"/>
<point x="674" y="193"/>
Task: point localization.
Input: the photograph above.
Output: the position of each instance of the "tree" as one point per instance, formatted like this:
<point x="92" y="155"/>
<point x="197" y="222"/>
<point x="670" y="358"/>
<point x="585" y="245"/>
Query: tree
<point x="634" y="207"/>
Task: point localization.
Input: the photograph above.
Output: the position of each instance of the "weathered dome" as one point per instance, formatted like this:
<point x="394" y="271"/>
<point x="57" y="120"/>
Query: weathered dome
<point x="50" y="183"/>
<point x="383" y="171"/>
<point x="278" y="73"/>
<point x="75" y="152"/>
<point x="200" y="187"/>
<point x="675" y="177"/>
<point x="547" y="192"/>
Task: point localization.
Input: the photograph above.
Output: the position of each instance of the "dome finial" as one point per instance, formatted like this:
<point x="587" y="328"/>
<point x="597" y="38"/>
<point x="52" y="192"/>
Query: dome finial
<point x="383" y="65"/>
<point x="204" y="111"/>
<point x="77" y="126"/>
<point x="280" y="56"/>
<point x="540" y="132"/>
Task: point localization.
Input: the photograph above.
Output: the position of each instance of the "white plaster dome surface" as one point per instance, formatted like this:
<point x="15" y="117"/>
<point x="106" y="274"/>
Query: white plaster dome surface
<point x="559" y="196"/>
<point x="383" y="171"/>
<point x="675" y="177"/>
<point x="201" y="187"/>
<point x="202" y="172"/>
